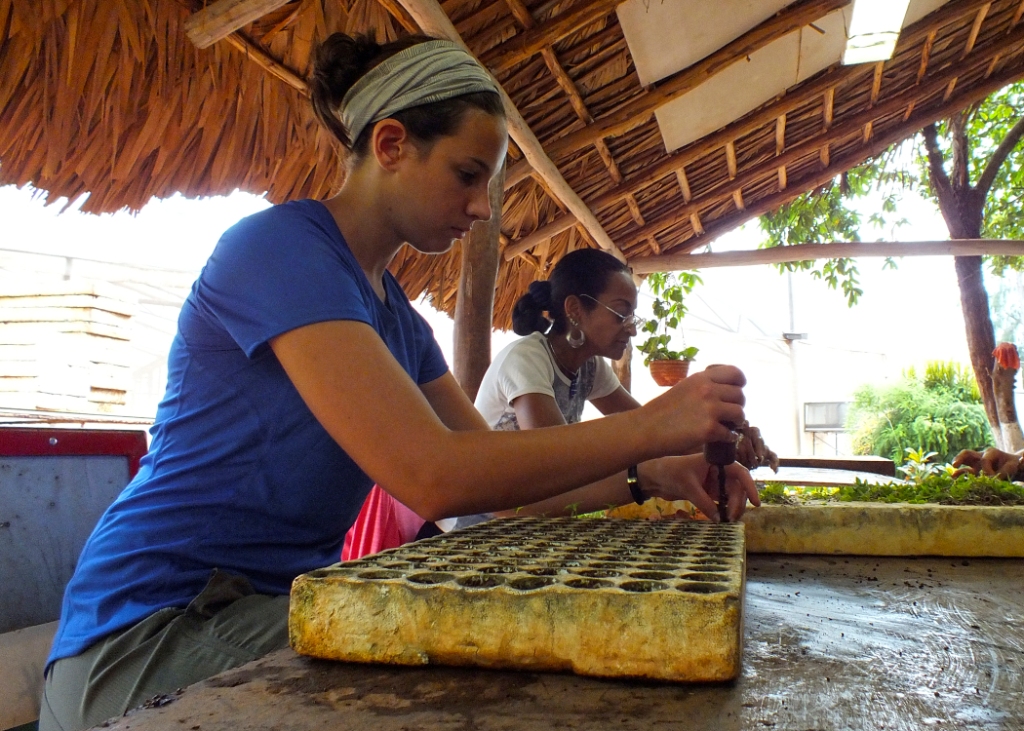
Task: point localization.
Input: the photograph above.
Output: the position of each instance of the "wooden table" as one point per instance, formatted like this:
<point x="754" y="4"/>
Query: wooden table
<point x="830" y="643"/>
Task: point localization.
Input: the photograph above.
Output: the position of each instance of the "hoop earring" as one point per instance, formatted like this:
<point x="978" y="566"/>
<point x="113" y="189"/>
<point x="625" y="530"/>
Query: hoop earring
<point x="575" y="342"/>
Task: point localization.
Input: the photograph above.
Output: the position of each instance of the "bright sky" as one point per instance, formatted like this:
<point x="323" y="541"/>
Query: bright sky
<point x="897" y="307"/>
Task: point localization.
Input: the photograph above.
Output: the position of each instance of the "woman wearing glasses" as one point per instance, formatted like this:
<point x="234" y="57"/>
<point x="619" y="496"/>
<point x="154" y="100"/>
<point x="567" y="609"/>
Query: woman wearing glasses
<point x="571" y="323"/>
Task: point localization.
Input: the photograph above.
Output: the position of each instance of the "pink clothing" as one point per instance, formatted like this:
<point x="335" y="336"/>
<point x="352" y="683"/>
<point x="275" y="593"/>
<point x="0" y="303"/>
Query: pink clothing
<point x="382" y="523"/>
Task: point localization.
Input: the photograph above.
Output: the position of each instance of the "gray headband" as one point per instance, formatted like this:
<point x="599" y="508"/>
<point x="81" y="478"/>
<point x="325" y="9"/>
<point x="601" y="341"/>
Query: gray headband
<point x="421" y="74"/>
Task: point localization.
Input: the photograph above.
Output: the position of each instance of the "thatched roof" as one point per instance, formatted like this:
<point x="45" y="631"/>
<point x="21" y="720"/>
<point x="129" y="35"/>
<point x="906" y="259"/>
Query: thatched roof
<point x="114" y="99"/>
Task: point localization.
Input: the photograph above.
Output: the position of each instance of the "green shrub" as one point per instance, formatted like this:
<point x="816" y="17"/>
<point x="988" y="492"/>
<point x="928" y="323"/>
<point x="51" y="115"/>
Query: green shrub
<point x="938" y="488"/>
<point x="935" y="414"/>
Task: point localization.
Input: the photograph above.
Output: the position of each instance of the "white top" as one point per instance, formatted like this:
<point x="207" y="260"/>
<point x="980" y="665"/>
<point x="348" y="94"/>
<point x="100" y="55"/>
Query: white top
<point x="528" y="366"/>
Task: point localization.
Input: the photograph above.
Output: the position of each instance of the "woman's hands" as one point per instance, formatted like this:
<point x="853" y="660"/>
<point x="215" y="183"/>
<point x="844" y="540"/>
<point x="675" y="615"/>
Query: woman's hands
<point x="752" y="452"/>
<point x="697" y="409"/>
<point x="691" y="478"/>
<point x="992" y="461"/>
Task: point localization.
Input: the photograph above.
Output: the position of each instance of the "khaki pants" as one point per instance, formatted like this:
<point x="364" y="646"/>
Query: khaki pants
<point x="227" y="625"/>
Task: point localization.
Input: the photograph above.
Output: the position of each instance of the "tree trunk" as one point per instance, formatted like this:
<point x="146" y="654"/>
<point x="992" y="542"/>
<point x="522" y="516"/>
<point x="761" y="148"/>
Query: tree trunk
<point x="980" y="333"/>
<point x="962" y="208"/>
<point x="474" y="308"/>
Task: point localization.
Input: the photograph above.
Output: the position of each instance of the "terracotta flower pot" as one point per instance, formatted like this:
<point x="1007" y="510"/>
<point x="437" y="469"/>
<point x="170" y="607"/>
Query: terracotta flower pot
<point x="669" y="372"/>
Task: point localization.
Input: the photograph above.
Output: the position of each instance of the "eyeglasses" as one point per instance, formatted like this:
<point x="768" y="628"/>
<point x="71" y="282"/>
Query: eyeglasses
<point x="626" y="321"/>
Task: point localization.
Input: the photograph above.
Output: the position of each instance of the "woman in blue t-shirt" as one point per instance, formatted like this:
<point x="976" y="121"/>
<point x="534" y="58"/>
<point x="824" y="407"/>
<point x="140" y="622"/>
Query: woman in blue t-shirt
<point x="300" y="375"/>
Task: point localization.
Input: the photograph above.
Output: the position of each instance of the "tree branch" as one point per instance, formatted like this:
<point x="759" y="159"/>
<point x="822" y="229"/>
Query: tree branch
<point x="956" y="125"/>
<point x="940" y="181"/>
<point x="998" y="157"/>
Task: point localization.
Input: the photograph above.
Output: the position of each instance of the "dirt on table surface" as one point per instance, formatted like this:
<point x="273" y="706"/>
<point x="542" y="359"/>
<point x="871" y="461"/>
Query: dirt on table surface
<point x="830" y="643"/>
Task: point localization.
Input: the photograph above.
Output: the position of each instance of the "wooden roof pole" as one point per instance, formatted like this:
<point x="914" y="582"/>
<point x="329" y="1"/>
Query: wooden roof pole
<point x="848" y="250"/>
<point x="823" y="85"/>
<point x="640" y="109"/>
<point x="670" y="262"/>
<point x="429" y="15"/>
<point x="222" y="18"/>
<point x="848" y="128"/>
<point x="672" y="87"/>
<point x="568" y="86"/>
<point x="524" y="45"/>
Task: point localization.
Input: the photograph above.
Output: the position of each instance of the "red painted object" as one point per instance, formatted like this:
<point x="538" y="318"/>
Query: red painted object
<point x="1006" y="355"/>
<point x="74" y="442"/>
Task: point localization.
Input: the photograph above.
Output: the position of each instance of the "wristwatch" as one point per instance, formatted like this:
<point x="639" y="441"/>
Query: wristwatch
<point x="633" y="480"/>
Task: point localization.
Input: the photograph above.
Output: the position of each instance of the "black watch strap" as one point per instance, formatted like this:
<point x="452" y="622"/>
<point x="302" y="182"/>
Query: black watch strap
<point x="633" y="480"/>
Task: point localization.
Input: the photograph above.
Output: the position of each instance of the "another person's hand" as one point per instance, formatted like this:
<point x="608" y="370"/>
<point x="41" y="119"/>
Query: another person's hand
<point x="993" y="462"/>
<point x="752" y="452"/>
<point x="691" y="478"/>
<point x="697" y="409"/>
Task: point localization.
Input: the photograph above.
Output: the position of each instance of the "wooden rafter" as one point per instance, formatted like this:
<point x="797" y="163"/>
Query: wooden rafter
<point x="568" y="86"/>
<point x="780" y="147"/>
<point x="399" y="13"/>
<point x="975" y="29"/>
<point x="222" y="18"/>
<point x="854" y="125"/>
<point x="926" y="53"/>
<point x="730" y="159"/>
<point x="684" y="184"/>
<point x="823" y="86"/>
<point x="827" y="110"/>
<point x="524" y="45"/>
<point x="1016" y="16"/>
<point x="845" y="250"/>
<point x="668" y="262"/>
<point x="639" y="110"/>
<point x="560" y="224"/>
<point x="430" y="17"/>
<point x="876" y="82"/>
<point x="255" y="53"/>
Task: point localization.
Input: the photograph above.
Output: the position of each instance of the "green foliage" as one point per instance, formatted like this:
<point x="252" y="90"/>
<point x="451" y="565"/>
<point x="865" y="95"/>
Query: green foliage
<point x="919" y="465"/>
<point x="831" y="214"/>
<point x="937" y="488"/>
<point x="951" y="378"/>
<point x="919" y="415"/>
<point x="669" y="309"/>
<point x="824" y="215"/>
<point x="987" y="125"/>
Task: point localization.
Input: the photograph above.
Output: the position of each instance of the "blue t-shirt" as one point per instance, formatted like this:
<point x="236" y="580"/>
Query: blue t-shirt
<point x="240" y="475"/>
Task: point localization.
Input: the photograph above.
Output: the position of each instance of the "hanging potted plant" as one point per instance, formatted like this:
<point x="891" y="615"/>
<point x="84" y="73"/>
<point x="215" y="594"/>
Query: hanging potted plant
<point x="668" y="366"/>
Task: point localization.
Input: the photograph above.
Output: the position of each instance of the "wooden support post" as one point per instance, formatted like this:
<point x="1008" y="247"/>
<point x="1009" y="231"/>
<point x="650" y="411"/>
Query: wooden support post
<point x="474" y="307"/>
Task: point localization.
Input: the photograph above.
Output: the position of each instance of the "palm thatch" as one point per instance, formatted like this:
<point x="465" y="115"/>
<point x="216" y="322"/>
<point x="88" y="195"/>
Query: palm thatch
<point x="111" y="98"/>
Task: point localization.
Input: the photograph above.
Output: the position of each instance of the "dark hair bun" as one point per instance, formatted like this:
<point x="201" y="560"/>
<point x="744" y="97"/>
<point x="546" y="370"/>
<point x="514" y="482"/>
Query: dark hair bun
<point x="528" y="312"/>
<point x="338" y="63"/>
